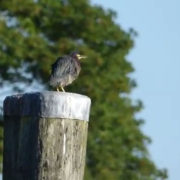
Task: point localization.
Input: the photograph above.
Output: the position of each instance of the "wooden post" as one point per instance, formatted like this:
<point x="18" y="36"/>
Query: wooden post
<point x="45" y="136"/>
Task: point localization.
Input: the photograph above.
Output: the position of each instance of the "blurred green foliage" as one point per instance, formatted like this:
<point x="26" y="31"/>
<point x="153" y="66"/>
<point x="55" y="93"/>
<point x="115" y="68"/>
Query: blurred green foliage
<point x="34" y="32"/>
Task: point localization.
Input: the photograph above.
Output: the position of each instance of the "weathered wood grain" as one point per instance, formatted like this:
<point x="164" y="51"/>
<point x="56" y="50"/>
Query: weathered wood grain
<point x="43" y="148"/>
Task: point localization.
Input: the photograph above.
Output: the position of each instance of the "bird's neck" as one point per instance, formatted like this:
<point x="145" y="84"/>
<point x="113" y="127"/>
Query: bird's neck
<point x="78" y="61"/>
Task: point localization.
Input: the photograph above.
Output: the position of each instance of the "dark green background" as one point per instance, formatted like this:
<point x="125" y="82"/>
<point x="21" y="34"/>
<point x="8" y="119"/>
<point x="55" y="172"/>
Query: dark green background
<point x="34" y="33"/>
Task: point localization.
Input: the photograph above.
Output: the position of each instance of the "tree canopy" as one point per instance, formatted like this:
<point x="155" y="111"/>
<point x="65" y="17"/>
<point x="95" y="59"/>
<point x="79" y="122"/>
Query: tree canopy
<point x="33" y="33"/>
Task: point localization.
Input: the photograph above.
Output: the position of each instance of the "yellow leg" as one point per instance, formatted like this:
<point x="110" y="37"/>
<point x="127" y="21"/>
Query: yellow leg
<point x="62" y="89"/>
<point x="57" y="89"/>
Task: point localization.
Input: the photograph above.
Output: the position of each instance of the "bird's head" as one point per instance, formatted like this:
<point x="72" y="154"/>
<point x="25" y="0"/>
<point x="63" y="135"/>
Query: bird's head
<point x="77" y="56"/>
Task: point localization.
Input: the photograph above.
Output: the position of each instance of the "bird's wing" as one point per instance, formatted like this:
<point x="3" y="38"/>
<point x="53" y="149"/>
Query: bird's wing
<point x="62" y="66"/>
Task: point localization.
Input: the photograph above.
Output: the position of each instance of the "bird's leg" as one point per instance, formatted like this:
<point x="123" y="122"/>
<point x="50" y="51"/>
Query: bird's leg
<point x="57" y="89"/>
<point x="62" y="89"/>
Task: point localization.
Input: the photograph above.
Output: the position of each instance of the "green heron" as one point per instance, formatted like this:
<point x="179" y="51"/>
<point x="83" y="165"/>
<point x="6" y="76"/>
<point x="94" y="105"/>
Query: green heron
<point x="65" y="70"/>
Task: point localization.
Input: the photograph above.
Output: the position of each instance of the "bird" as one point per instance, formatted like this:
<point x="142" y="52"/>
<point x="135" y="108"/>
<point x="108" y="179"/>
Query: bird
<point x="65" y="70"/>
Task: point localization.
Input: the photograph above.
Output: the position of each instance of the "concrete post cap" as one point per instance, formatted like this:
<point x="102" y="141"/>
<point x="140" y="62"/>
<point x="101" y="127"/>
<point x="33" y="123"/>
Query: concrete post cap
<point x="48" y="104"/>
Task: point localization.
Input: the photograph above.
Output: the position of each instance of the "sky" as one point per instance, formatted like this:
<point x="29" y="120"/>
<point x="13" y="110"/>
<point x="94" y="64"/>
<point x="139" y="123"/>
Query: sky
<point x="156" y="58"/>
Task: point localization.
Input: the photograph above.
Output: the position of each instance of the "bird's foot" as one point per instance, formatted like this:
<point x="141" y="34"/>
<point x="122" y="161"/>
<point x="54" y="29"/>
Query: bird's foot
<point x="57" y="89"/>
<point x="63" y="89"/>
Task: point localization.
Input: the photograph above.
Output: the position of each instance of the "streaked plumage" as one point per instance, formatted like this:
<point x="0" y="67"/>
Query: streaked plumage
<point x="65" y="70"/>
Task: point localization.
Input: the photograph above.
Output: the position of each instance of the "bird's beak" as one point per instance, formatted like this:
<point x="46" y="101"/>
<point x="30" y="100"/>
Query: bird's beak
<point x="81" y="57"/>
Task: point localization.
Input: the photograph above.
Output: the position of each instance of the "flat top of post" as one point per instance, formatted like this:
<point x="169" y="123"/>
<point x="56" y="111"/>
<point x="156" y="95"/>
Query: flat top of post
<point x="49" y="104"/>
